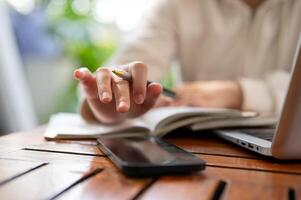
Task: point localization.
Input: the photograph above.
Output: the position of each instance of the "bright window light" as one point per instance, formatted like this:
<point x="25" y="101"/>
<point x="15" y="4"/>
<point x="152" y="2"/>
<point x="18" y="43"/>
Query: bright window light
<point x="22" y="6"/>
<point x="125" y="14"/>
<point x="81" y="7"/>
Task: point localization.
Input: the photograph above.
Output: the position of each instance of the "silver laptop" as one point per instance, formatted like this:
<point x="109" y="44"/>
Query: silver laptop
<point x="284" y="141"/>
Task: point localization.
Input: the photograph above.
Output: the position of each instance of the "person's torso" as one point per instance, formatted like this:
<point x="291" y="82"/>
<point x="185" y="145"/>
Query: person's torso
<point x="224" y="39"/>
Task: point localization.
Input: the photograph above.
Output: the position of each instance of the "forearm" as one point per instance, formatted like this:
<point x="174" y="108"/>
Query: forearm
<point x="267" y="94"/>
<point x="216" y="94"/>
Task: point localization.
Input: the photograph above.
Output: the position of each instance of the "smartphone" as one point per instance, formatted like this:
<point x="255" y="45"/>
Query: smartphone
<point x="141" y="156"/>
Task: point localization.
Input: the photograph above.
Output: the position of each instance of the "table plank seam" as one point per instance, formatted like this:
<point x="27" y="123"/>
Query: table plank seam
<point x="23" y="173"/>
<point x="225" y="155"/>
<point x="219" y="190"/>
<point x="64" y="152"/>
<point x="252" y="169"/>
<point x="144" y="189"/>
<point x="260" y="158"/>
<point x="291" y="194"/>
<point x="82" y="179"/>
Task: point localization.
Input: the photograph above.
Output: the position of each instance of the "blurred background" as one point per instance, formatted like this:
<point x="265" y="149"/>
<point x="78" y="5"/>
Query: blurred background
<point x="43" y="41"/>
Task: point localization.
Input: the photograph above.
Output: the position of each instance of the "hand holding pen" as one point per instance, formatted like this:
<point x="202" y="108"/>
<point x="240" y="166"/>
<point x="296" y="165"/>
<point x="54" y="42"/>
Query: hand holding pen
<point x="127" y="76"/>
<point x="111" y="99"/>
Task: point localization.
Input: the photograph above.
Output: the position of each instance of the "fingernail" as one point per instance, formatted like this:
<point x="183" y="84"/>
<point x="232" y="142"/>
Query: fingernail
<point x="122" y="106"/>
<point x="106" y="97"/>
<point x="78" y="74"/>
<point x="139" y="98"/>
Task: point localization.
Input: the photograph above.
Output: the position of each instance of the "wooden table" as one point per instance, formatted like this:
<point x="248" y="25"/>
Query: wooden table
<point x="33" y="168"/>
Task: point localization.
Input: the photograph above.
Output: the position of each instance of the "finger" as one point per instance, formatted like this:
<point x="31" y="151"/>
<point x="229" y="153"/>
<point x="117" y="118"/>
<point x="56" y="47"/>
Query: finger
<point x="88" y="82"/>
<point x="138" y="71"/>
<point x="154" y="90"/>
<point x="122" y="94"/>
<point x="103" y="80"/>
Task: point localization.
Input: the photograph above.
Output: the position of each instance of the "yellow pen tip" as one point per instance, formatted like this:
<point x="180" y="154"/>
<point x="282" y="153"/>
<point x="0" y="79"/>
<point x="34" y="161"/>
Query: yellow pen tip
<point x="118" y="72"/>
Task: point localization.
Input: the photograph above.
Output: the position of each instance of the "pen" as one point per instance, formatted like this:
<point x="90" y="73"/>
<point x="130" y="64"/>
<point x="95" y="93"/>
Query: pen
<point x="126" y="76"/>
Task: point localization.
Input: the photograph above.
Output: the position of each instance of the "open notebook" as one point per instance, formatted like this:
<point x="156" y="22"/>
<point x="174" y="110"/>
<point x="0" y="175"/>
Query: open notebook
<point x="158" y="121"/>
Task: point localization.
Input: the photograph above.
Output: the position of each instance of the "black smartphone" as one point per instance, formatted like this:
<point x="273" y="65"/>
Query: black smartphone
<point x="141" y="156"/>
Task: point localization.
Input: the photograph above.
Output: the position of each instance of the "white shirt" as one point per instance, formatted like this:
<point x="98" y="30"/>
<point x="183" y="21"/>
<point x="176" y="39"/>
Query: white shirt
<point x="221" y="40"/>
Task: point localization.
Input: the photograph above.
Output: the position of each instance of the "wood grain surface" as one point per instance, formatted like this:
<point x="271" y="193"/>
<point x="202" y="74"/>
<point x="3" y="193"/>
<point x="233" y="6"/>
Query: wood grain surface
<point x="33" y="168"/>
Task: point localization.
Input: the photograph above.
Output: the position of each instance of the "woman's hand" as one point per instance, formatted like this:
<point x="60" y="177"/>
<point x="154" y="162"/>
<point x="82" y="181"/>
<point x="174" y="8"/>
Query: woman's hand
<point x="218" y="94"/>
<point x="111" y="99"/>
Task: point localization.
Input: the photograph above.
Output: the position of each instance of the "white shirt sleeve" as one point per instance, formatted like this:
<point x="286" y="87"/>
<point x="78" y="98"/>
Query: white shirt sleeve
<point x="154" y="41"/>
<point x="265" y="95"/>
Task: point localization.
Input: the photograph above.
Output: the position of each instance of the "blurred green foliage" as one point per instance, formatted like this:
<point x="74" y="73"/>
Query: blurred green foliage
<point x="87" y="42"/>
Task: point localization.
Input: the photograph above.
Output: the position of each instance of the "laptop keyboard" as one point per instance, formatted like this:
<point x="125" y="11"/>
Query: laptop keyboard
<point x="266" y="134"/>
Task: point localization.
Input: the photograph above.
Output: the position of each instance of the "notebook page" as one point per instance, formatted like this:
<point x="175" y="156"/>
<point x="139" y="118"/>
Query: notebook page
<point x="163" y="115"/>
<point x="265" y="120"/>
<point x="69" y="125"/>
